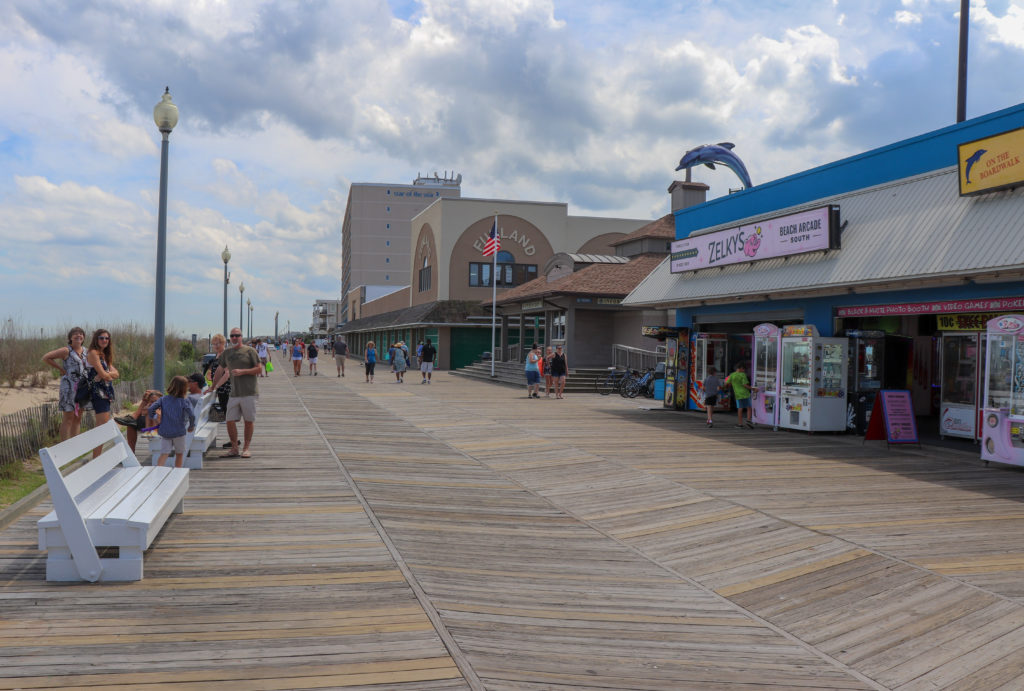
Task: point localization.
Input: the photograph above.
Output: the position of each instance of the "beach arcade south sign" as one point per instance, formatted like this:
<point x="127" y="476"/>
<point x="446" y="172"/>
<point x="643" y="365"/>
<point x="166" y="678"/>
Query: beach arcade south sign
<point x="807" y="231"/>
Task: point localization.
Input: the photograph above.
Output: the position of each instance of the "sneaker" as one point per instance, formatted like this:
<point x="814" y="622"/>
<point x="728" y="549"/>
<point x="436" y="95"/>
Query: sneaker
<point x="750" y="424"/>
<point x="339" y="376"/>
<point x="127" y="421"/>
<point x="710" y="424"/>
<point x="740" y="426"/>
<point x="536" y="395"/>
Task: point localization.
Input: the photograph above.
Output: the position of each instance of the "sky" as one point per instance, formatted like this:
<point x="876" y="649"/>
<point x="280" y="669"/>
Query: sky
<point x="283" y="105"/>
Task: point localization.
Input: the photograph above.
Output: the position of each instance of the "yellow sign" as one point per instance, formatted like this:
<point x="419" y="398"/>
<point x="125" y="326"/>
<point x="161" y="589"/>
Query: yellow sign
<point x="975" y="321"/>
<point x="993" y="163"/>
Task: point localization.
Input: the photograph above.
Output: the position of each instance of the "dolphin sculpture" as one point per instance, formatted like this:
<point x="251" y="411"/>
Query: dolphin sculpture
<point x="974" y="158"/>
<point x="721" y="153"/>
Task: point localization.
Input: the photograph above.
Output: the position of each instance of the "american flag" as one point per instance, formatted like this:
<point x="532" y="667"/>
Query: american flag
<point x="493" y="243"/>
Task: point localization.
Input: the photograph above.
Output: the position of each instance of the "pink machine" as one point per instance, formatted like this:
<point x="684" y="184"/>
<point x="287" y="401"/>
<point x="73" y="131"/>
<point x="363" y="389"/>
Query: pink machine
<point x="765" y="376"/>
<point x="1003" y="406"/>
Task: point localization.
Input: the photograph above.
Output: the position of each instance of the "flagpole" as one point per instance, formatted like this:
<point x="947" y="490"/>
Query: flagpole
<point x="494" y="295"/>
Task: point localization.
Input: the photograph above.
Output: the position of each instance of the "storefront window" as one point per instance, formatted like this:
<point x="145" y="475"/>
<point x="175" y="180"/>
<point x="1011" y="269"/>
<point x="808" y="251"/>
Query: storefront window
<point x="506" y="275"/>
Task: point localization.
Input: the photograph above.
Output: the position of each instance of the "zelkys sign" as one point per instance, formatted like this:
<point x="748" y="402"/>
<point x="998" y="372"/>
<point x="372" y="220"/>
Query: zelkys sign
<point x="992" y="163"/>
<point x="807" y="231"/>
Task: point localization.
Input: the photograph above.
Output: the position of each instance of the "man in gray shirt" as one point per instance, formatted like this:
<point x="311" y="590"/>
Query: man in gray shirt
<point x="340" y="353"/>
<point x="242" y="364"/>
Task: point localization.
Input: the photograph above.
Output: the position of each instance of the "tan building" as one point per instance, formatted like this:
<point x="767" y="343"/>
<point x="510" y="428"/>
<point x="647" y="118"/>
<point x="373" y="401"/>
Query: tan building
<point x="449" y="277"/>
<point x="375" y="246"/>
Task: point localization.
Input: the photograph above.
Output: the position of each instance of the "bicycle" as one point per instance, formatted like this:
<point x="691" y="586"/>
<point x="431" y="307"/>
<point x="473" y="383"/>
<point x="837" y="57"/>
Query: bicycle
<point x="609" y="381"/>
<point x="636" y="384"/>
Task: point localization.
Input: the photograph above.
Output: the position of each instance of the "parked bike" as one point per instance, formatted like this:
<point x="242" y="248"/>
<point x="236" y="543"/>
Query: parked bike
<point x="609" y="381"/>
<point x="635" y="384"/>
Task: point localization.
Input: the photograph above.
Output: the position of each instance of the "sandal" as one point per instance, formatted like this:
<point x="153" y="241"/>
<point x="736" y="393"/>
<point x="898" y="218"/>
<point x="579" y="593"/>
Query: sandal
<point x="231" y="454"/>
<point x="246" y="454"/>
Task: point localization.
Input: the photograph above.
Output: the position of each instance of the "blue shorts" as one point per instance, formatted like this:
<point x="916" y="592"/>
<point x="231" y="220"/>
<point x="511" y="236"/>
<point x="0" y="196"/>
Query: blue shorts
<point x="742" y="403"/>
<point x="100" y="405"/>
<point x="532" y="377"/>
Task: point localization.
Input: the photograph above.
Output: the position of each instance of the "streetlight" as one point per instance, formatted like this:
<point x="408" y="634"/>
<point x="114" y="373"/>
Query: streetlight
<point x="165" y="115"/>
<point x="248" y="303"/>
<point x="275" y="325"/>
<point x="241" y="293"/>
<point x="226" y="256"/>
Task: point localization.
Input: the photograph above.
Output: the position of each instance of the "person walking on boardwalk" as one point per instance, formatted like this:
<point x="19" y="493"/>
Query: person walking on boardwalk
<point x="545" y="369"/>
<point x="242" y="365"/>
<point x="311" y="355"/>
<point x="71" y="363"/>
<point x="261" y="350"/>
<point x="298" y="351"/>
<point x="559" y="368"/>
<point x="740" y="384"/>
<point x="340" y="353"/>
<point x="370" y="360"/>
<point x="426" y="356"/>
<point x="711" y="386"/>
<point x="399" y="363"/>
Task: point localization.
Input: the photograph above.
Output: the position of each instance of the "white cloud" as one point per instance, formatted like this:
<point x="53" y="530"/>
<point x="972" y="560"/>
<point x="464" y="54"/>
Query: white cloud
<point x="1007" y="30"/>
<point x="905" y="17"/>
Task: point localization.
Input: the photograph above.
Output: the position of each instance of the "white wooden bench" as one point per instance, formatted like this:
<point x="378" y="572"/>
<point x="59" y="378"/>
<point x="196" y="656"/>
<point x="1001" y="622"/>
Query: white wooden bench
<point x="197" y="443"/>
<point x="111" y="501"/>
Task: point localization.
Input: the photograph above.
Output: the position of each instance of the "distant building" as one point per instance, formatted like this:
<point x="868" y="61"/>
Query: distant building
<point x="325" y="317"/>
<point x="375" y="235"/>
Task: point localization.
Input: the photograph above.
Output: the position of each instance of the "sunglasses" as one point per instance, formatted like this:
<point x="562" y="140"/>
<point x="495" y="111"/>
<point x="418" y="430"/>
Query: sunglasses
<point x="236" y="335"/>
<point x="103" y="338"/>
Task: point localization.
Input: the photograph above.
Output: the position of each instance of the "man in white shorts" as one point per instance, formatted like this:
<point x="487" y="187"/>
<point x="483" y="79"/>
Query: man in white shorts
<point x="242" y="364"/>
<point x="427" y="361"/>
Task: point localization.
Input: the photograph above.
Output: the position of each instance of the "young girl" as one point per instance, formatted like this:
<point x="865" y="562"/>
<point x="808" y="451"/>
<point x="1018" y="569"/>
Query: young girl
<point x="70" y="361"/>
<point x="175" y="409"/>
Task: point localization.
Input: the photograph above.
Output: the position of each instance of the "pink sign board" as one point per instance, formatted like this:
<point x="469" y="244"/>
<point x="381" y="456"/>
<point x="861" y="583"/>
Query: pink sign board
<point x="939" y="307"/>
<point x="806" y="231"/>
<point x="898" y="413"/>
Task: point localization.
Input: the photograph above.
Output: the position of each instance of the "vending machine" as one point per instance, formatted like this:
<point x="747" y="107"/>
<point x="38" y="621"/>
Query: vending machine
<point x="867" y="357"/>
<point x="708" y="350"/>
<point x="1002" y="427"/>
<point x="814" y="372"/>
<point x="677" y="367"/>
<point x="764" y="375"/>
<point x="962" y="358"/>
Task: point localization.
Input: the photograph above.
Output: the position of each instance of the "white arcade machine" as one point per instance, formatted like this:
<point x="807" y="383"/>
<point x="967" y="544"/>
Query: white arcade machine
<point x="764" y="378"/>
<point x="1003" y="410"/>
<point x="962" y="358"/>
<point x="708" y="350"/>
<point x="814" y="371"/>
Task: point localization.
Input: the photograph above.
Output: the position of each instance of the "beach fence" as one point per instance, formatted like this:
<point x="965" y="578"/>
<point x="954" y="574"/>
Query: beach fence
<point x="23" y="433"/>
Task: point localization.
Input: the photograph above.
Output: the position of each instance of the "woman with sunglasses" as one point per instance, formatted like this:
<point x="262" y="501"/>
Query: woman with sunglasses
<point x="102" y="374"/>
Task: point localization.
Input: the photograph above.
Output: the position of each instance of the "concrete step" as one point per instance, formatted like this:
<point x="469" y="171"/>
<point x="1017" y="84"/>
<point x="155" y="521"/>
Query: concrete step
<point x="511" y="373"/>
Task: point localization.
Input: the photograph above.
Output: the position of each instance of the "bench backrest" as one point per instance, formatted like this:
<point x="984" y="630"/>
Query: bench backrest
<point x="66" y="490"/>
<point x="203" y="410"/>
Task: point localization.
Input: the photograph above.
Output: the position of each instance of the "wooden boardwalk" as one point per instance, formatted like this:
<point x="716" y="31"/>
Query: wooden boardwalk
<point x="459" y="535"/>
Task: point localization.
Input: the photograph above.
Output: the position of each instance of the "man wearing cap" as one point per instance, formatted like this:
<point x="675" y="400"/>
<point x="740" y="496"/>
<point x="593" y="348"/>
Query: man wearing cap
<point x="242" y="364"/>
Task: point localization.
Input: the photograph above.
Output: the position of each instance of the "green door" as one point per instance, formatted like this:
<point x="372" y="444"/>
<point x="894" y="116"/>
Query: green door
<point x="468" y="343"/>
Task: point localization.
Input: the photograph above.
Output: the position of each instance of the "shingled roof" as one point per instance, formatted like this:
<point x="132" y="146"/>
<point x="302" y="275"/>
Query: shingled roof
<point x="664" y="227"/>
<point x="604" y="280"/>
<point x="437" y="312"/>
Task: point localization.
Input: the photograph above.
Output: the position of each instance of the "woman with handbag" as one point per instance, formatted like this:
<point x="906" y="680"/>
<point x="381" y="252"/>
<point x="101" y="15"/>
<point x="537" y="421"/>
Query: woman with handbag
<point x="102" y="374"/>
<point x="74" y="386"/>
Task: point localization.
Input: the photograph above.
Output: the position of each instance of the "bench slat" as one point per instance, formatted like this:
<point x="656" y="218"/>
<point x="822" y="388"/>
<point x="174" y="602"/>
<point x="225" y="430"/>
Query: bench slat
<point x="135" y="489"/>
<point x="123" y="510"/>
<point x="117" y="480"/>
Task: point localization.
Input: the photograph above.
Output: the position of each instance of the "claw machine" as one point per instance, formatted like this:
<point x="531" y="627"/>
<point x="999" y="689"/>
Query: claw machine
<point x="961" y="384"/>
<point x="677" y="363"/>
<point x="1002" y="427"/>
<point x="814" y="372"/>
<point x="764" y="379"/>
<point x="708" y="350"/>
<point x="867" y="356"/>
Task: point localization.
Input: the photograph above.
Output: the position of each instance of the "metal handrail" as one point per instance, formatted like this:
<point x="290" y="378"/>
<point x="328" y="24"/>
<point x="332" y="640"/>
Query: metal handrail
<point x="629" y="357"/>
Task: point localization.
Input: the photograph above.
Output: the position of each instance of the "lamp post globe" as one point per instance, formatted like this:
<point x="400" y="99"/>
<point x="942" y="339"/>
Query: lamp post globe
<point x="165" y="115"/>
<point x="226" y="256"/>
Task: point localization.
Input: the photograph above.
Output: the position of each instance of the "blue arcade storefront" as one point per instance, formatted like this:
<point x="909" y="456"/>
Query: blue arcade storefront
<point x="906" y="250"/>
